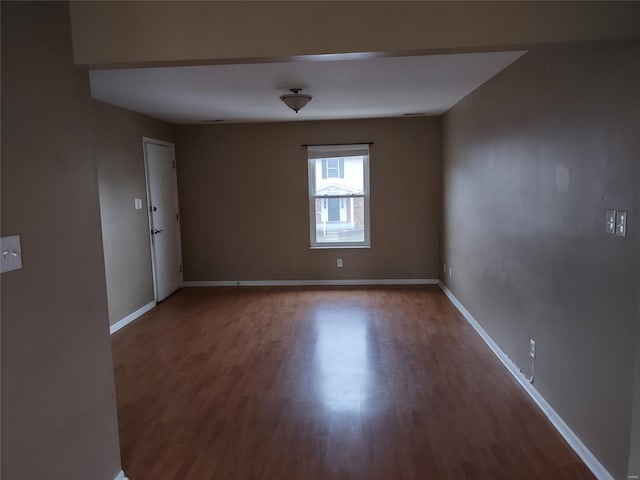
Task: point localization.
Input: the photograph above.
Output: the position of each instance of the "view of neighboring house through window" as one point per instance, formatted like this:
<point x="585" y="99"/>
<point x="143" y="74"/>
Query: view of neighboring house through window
<point x="339" y="195"/>
<point x="333" y="168"/>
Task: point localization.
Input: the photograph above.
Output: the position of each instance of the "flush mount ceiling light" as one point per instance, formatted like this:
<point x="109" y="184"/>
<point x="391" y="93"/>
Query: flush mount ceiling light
<point x="295" y="100"/>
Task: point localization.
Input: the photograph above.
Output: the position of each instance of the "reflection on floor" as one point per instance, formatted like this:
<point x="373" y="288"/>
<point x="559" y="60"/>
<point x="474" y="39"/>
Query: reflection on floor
<point x="341" y="364"/>
<point x="360" y="383"/>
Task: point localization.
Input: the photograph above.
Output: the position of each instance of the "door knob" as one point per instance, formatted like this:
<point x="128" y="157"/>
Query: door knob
<point x="156" y="231"/>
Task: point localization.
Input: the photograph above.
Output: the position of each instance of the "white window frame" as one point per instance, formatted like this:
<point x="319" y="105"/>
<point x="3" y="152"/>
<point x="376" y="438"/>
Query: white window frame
<point x="366" y="195"/>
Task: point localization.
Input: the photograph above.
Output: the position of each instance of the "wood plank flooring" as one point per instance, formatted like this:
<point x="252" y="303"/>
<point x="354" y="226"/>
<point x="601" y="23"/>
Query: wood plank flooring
<point x="349" y="383"/>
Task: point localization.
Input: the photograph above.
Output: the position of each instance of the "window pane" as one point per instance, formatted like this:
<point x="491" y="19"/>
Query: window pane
<point x="343" y="176"/>
<point x="339" y="220"/>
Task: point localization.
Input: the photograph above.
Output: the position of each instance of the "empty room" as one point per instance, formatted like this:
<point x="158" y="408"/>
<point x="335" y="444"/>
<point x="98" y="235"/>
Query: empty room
<point x="320" y="240"/>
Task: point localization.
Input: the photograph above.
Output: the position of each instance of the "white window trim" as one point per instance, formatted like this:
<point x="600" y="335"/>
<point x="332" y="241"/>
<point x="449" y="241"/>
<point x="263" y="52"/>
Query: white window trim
<point x="312" y="212"/>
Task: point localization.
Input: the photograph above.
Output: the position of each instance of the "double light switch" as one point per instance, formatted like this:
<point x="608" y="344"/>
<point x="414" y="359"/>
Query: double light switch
<point x="616" y="223"/>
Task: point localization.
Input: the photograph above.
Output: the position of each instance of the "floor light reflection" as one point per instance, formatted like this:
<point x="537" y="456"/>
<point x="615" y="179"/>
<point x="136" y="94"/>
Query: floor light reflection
<point x="341" y="363"/>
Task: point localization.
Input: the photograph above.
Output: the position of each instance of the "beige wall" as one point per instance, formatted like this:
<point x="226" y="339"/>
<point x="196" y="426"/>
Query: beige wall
<point x="244" y="200"/>
<point x="533" y="159"/>
<point x="126" y="32"/>
<point x="58" y="409"/>
<point x="121" y="179"/>
<point x="634" y="449"/>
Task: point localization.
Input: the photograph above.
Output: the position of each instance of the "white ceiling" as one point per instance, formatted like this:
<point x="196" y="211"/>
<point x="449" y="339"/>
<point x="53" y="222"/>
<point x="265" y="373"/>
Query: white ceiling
<point x="361" y="88"/>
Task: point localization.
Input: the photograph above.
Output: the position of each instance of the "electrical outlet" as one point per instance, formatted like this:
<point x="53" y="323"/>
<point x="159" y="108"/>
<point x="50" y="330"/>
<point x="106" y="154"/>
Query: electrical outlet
<point x="339" y="263"/>
<point x="532" y="349"/>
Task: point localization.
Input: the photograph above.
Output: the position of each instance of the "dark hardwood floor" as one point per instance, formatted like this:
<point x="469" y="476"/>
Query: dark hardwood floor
<point x="360" y="383"/>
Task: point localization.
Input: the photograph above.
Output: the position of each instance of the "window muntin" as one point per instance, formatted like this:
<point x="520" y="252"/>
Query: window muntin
<point x="339" y="196"/>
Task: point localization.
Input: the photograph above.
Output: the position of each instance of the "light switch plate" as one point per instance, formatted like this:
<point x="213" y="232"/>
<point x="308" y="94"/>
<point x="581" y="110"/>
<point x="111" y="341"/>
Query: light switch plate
<point x="137" y="203"/>
<point x="10" y="253"/>
<point x="611" y="222"/>
<point x="621" y="223"/>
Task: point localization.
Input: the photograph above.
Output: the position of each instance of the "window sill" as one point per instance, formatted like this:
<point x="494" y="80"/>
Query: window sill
<point x="336" y="247"/>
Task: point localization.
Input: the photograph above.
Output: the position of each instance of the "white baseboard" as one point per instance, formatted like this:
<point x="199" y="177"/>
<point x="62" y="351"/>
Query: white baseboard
<point x="301" y="283"/>
<point x="120" y="476"/>
<point x="572" y="439"/>
<point x="131" y="317"/>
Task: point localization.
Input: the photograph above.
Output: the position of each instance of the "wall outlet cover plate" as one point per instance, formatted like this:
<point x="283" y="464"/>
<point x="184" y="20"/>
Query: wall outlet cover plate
<point x="11" y="253"/>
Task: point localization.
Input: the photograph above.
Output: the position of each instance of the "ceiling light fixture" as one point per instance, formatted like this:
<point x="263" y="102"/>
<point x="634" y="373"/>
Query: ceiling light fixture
<point x="295" y="100"/>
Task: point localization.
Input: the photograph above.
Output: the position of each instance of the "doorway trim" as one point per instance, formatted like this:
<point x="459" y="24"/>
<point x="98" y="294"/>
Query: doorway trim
<point x="155" y="141"/>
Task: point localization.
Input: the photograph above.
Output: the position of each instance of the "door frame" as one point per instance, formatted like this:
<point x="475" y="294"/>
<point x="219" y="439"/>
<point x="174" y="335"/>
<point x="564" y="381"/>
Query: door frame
<point x="145" y="141"/>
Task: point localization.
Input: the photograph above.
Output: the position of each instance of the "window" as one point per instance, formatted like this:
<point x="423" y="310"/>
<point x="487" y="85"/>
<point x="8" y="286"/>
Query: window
<point x="333" y="168"/>
<point x="339" y="195"/>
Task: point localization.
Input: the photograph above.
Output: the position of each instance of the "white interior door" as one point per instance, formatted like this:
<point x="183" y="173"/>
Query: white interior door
<point x="164" y="218"/>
